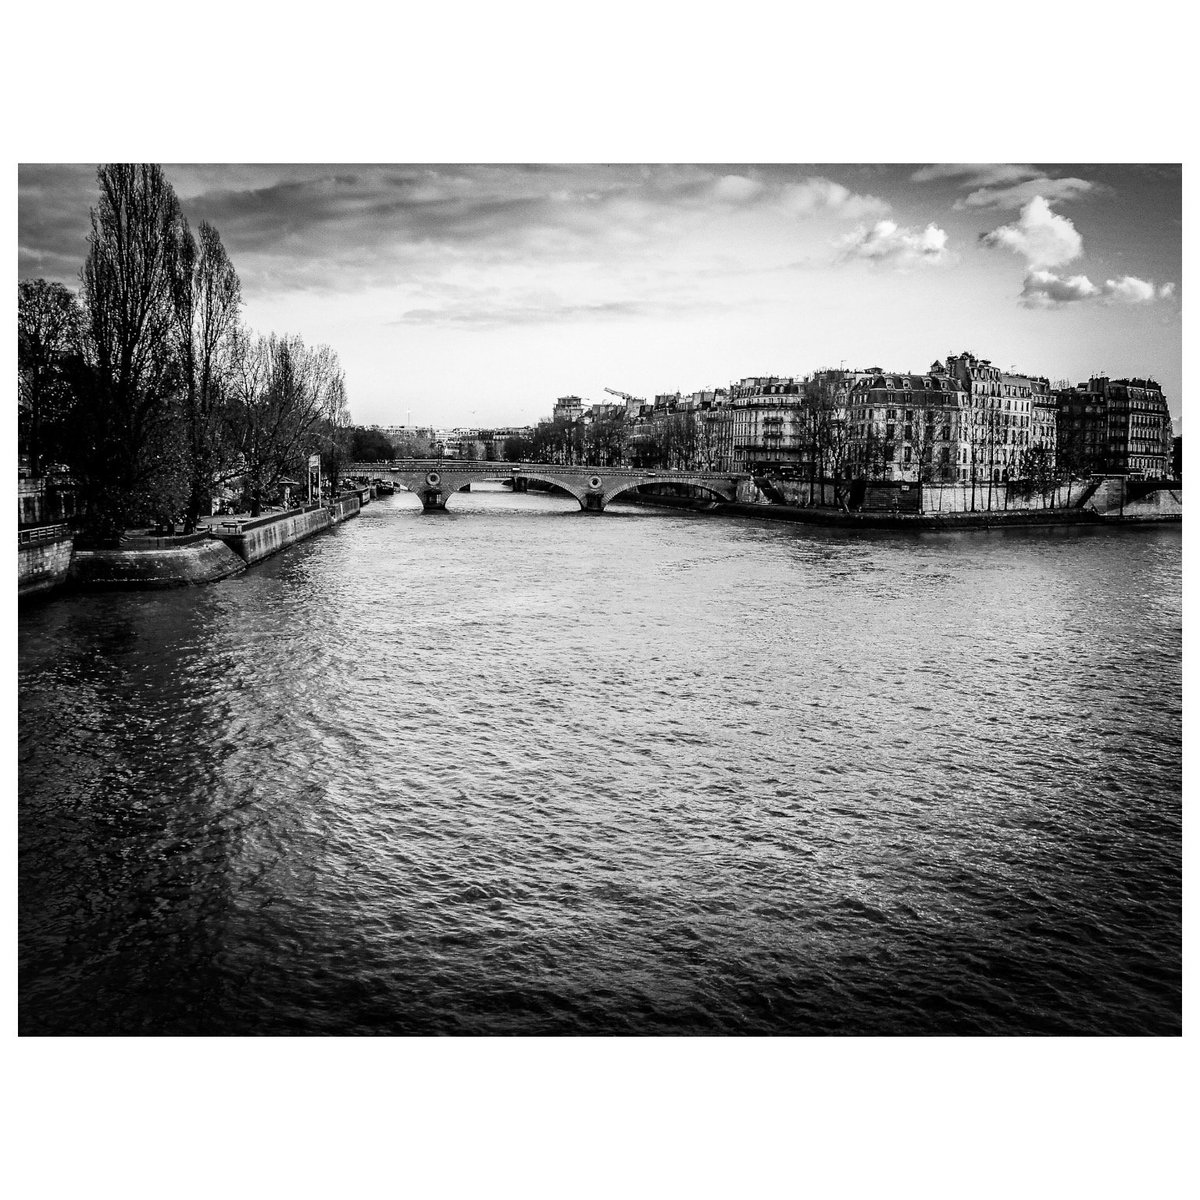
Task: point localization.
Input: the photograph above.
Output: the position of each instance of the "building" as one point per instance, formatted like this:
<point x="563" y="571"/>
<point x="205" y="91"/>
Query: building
<point x="1115" y="426"/>
<point x="568" y="408"/>
<point x="767" y="424"/>
<point x="1043" y="441"/>
<point x="999" y="417"/>
<point x="910" y="428"/>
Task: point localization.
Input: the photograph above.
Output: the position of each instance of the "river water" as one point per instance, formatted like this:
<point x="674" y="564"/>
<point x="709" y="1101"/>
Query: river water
<point x="517" y="769"/>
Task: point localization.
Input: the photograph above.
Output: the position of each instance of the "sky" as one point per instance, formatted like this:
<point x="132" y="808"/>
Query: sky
<point x="459" y="295"/>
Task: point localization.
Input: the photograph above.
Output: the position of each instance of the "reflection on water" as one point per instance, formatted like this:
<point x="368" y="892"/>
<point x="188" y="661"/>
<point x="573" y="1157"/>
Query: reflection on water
<point x="518" y="769"/>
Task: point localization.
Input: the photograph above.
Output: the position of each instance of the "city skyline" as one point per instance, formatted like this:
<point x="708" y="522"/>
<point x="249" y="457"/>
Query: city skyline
<point x="473" y="295"/>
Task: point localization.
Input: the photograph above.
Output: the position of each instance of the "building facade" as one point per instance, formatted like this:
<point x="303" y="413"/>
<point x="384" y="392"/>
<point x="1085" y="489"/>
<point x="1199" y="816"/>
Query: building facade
<point x="1118" y="426"/>
<point x="767" y="425"/>
<point x="909" y="428"/>
<point x="998" y="418"/>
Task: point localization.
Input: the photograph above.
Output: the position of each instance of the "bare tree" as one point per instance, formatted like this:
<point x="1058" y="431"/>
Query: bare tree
<point x="290" y="401"/>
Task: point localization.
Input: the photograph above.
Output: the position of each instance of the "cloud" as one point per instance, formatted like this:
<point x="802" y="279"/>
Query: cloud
<point x="1044" y="238"/>
<point x="817" y="194"/>
<point x="52" y="220"/>
<point x="887" y="242"/>
<point x="1132" y="290"/>
<point x="495" y="309"/>
<point x="494" y="316"/>
<point x="1044" y="289"/>
<point x="975" y="174"/>
<point x="1005" y="185"/>
<point x="737" y="189"/>
<point x="1018" y="194"/>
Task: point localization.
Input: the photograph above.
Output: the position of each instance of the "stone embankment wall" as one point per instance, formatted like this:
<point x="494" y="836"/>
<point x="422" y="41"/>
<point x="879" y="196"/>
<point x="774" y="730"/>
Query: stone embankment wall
<point x="934" y="498"/>
<point x="345" y="508"/>
<point x="1143" y="499"/>
<point x="168" y="562"/>
<point x="255" y="540"/>
<point x="1164" y="504"/>
<point x="43" y="566"/>
<point x="1136" y="501"/>
<point x="155" y="563"/>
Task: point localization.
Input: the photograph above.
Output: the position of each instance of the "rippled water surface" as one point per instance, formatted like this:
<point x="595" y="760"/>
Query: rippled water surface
<point x="517" y="769"/>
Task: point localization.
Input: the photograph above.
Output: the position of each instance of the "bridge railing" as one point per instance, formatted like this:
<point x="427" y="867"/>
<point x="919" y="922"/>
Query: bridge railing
<point x="466" y="464"/>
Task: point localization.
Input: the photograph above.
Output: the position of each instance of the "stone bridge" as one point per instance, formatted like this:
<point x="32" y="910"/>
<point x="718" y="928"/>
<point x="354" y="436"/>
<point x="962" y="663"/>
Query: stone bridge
<point x="436" y="480"/>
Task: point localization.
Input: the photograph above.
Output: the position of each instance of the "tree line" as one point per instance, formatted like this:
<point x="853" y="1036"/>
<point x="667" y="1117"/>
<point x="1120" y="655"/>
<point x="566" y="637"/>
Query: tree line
<point x="147" y="389"/>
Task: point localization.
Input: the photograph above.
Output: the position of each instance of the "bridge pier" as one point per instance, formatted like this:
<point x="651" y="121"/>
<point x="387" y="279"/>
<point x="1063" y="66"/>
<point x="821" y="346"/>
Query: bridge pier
<point x="432" y="501"/>
<point x="592" y="502"/>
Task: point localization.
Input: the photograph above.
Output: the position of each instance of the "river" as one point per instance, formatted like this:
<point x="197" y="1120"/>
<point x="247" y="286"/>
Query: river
<point x="517" y="769"/>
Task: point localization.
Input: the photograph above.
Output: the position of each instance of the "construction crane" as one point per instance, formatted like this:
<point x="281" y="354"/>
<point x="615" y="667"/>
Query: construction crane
<point x="624" y="395"/>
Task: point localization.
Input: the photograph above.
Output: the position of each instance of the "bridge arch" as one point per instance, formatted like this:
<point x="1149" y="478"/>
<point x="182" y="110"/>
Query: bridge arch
<point x="715" y="490"/>
<point x="593" y="487"/>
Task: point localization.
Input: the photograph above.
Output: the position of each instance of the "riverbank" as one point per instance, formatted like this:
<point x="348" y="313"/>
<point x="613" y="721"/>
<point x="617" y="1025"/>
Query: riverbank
<point x="49" y="561"/>
<point x="1157" y="508"/>
<point x="43" y="559"/>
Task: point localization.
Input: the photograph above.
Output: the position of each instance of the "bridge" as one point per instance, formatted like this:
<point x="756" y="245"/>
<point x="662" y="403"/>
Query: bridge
<point x="436" y="480"/>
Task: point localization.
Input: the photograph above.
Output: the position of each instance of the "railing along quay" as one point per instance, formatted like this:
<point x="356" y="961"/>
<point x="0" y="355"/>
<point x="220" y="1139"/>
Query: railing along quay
<point x="43" y="533"/>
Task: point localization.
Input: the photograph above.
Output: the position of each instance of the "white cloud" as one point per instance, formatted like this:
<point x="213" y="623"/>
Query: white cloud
<point x="1132" y="290"/>
<point x="736" y="189"/>
<point x="886" y="241"/>
<point x="976" y="174"/>
<point x="1004" y="185"/>
<point x="1044" y="238"/>
<point x="1018" y="194"/>
<point x="1044" y="289"/>
<point x="817" y="195"/>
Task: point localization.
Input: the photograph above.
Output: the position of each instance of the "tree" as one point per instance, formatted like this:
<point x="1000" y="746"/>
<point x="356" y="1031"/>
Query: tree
<point x="336" y="440"/>
<point x="290" y="401"/>
<point x="558" y="440"/>
<point x="831" y="446"/>
<point x="518" y="448"/>
<point x="49" y="332"/>
<point x="207" y="303"/>
<point x="1039" y="470"/>
<point x="922" y="436"/>
<point x="128" y="292"/>
<point x="605" y="440"/>
<point x="370" y="445"/>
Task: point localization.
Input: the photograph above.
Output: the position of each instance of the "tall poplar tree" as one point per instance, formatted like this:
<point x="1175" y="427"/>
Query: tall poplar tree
<point x="128" y="294"/>
<point x="207" y="299"/>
